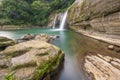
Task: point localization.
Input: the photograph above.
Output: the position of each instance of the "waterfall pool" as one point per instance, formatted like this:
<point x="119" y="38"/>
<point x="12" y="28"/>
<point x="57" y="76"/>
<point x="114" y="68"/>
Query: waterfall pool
<point x="70" y="42"/>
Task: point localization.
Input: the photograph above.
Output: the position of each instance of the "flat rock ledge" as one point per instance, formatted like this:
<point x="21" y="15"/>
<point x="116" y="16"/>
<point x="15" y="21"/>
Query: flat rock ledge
<point x="30" y="60"/>
<point x="102" y="67"/>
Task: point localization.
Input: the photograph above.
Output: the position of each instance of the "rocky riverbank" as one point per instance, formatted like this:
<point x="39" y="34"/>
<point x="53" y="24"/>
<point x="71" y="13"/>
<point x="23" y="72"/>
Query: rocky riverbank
<point x="99" y="60"/>
<point x="111" y="39"/>
<point x="97" y="19"/>
<point x="30" y="60"/>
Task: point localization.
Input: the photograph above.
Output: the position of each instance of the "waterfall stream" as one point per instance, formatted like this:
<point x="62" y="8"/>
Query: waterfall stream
<point x="62" y="23"/>
<point x="55" y="20"/>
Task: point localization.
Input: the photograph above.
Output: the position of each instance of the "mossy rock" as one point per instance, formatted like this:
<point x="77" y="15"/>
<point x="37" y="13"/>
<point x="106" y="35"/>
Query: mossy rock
<point x="5" y="42"/>
<point x="36" y="60"/>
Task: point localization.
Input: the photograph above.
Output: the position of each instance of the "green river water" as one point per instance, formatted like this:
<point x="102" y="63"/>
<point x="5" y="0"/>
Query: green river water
<point x="73" y="44"/>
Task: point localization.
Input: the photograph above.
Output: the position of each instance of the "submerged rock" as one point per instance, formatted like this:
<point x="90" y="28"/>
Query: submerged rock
<point x="5" y="42"/>
<point x="30" y="60"/>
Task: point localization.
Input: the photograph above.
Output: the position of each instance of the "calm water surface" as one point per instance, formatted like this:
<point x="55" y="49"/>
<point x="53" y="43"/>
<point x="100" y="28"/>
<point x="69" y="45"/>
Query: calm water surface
<point x="70" y="42"/>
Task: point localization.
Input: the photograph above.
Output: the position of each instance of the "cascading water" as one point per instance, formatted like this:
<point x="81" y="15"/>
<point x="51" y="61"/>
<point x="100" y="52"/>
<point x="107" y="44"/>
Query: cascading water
<point x="55" y="20"/>
<point x="61" y="17"/>
<point x="62" y="23"/>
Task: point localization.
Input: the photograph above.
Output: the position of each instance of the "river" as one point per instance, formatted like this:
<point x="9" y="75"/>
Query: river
<point x="73" y="45"/>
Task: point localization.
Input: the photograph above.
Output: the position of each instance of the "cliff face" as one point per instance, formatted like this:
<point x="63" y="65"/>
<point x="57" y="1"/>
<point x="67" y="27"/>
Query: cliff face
<point x="101" y="17"/>
<point x="98" y="19"/>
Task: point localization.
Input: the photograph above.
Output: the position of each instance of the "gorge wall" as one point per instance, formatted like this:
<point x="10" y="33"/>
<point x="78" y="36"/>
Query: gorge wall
<point x="99" y="19"/>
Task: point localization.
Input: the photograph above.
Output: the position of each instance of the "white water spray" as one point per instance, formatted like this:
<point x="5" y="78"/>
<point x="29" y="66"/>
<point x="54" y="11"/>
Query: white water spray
<point x="62" y="23"/>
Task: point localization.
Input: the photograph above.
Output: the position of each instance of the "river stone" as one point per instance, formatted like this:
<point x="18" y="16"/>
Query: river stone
<point x="43" y="37"/>
<point x="28" y="37"/>
<point x="30" y="60"/>
<point x="111" y="47"/>
<point x="5" y="42"/>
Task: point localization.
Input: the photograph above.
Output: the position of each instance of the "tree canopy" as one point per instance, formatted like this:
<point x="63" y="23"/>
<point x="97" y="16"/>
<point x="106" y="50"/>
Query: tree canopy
<point x="33" y="12"/>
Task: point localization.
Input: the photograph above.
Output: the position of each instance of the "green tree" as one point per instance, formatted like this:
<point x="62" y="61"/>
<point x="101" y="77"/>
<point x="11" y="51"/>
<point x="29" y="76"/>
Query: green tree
<point x="34" y="12"/>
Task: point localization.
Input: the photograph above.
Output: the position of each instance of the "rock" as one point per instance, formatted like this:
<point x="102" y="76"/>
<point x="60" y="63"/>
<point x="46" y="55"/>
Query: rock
<point x="111" y="47"/>
<point x="54" y="37"/>
<point x="28" y="37"/>
<point x="96" y="18"/>
<point x="30" y="60"/>
<point x="102" y="67"/>
<point x="43" y="37"/>
<point x="5" y="42"/>
<point x="52" y="17"/>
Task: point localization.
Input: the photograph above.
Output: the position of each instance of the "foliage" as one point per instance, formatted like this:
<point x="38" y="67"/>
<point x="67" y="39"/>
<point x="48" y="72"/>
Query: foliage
<point x="49" y="66"/>
<point x="34" y="12"/>
<point x="9" y="76"/>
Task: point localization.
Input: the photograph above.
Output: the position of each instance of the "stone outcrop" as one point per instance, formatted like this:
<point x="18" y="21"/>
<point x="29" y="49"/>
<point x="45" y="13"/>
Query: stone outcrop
<point x="99" y="19"/>
<point x="101" y="67"/>
<point x="5" y="42"/>
<point x="43" y="37"/>
<point x="40" y="37"/>
<point x="30" y="60"/>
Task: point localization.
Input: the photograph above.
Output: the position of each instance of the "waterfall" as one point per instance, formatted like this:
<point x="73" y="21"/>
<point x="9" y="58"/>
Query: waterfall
<point x="62" y="23"/>
<point x="55" y="20"/>
<point x="61" y="17"/>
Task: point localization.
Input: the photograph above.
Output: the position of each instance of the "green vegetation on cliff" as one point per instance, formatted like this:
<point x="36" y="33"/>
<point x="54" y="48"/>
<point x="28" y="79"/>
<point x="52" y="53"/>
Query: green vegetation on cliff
<point x="32" y="12"/>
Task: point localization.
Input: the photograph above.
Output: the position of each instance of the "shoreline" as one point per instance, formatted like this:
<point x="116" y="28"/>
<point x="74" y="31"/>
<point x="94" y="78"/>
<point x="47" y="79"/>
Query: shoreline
<point x="18" y="27"/>
<point x="101" y="37"/>
<point x="98" y="62"/>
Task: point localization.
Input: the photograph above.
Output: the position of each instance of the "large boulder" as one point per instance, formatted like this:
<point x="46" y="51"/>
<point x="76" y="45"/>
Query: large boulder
<point x="30" y="60"/>
<point x="5" y="42"/>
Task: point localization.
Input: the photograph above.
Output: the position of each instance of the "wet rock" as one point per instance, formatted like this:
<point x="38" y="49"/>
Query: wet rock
<point x="30" y="60"/>
<point x="43" y="37"/>
<point x="28" y="37"/>
<point x="111" y="47"/>
<point x="5" y="42"/>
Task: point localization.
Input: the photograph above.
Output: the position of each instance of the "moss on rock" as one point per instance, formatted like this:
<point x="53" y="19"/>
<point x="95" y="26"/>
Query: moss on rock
<point x="32" y="62"/>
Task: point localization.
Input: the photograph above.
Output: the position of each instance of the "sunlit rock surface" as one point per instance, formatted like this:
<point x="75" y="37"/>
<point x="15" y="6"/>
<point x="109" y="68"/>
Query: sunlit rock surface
<point x="102" y="67"/>
<point x="30" y="60"/>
